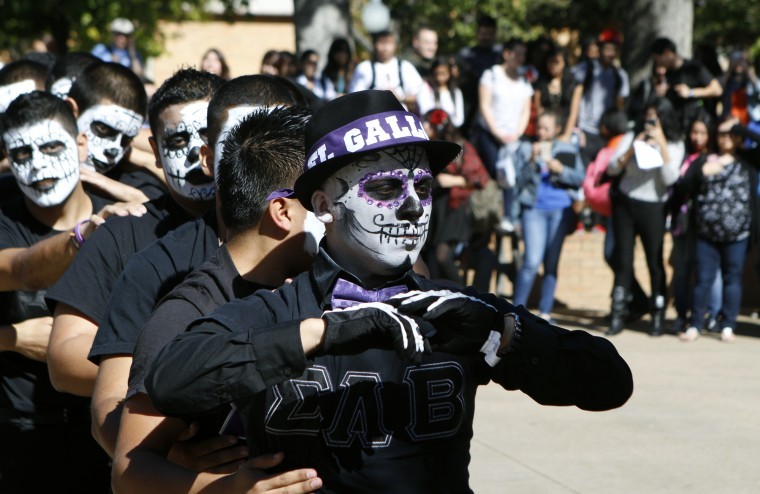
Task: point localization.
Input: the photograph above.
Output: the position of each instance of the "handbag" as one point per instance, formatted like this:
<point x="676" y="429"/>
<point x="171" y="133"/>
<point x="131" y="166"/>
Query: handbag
<point x="486" y="206"/>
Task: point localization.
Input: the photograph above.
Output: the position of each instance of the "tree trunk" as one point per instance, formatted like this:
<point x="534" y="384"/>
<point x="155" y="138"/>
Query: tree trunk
<point x="647" y="20"/>
<point x="318" y="22"/>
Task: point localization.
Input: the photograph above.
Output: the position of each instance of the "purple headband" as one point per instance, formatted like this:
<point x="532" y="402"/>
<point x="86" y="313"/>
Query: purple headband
<point x="377" y="131"/>
<point x="278" y="194"/>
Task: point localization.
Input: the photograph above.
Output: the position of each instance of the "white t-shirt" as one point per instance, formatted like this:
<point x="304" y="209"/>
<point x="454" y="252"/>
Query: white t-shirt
<point x="451" y="104"/>
<point x="387" y="77"/>
<point x="508" y="98"/>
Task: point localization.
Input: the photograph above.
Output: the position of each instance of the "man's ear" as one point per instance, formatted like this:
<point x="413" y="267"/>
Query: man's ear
<point x="156" y="154"/>
<point x="282" y="213"/>
<point x="82" y="147"/>
<point x="320" y="203"/>
<point x="74" y="107"/>
<point x="207" y="160"/>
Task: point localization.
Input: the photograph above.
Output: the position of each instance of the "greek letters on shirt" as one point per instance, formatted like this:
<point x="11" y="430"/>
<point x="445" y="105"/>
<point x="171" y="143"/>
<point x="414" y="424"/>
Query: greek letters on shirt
<point x="355" y="410"/>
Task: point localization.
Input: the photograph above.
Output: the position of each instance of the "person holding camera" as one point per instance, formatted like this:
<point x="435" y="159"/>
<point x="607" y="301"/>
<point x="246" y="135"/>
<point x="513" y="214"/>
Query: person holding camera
<point x="549" y="174"/>
<point x="645" y="166"/>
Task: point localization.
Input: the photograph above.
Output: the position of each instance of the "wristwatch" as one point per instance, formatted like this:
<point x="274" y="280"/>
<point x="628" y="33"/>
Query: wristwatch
<point x="511" y="337"/>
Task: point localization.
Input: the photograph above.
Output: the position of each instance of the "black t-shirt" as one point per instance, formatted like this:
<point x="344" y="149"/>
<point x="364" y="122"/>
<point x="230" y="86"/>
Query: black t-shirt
<point x="24" y="383"/>
<point x="86" y="285"/>
<point x="140" y="179"/>
<point x="8" y="187"/>
<point x="212" y="285"/>
<point x="694" y="75"/>
<point x="561" y="101"/>
<point x="369" y="421"/>
<point x="150" y="275"/>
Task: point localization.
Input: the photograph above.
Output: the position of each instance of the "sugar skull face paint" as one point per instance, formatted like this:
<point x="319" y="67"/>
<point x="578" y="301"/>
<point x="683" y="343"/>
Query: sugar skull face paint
<point x="110" y="130"/>
<point x="44" y="160"/>
<point x="9" y="92"/>
<point x="382" y="205"/>
<point x="61" y="87"/>
<point x="184" y="134"/>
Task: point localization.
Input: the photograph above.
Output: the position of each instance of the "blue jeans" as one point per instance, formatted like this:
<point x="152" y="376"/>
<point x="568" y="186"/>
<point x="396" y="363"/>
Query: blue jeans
<point x="684" y="270"/>
<point x="728" y="258"/>
<point x="543" y="234"/>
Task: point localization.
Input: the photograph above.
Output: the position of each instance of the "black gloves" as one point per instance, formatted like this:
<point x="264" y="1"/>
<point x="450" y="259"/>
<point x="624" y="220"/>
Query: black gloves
<point x="463" y="323"/>
<point x="375" y="325"/>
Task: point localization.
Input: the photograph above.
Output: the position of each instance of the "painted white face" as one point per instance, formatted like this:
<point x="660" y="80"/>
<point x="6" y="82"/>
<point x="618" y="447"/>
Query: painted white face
<point x="381" y="208"/>
<point x="110" y="130"/>
<point x="314" y="230"/>
<point x="61" y="87"/>
<point x="180" y="147"/>
<point x="9" y="92"/>
<point x="44" y="159"/>
<point x="234" y="116"/>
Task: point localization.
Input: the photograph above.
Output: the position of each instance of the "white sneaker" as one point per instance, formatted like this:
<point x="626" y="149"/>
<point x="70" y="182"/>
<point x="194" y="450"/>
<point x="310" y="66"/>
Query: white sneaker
<point x="506" y="226"/>
<point x="546" y="317"/>
<point x="689" y="335"/>
<point x="727" y="335"/>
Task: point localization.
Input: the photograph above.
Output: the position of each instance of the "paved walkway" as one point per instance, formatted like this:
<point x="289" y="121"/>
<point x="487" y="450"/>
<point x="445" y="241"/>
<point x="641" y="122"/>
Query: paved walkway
<point x="691" y="426"/>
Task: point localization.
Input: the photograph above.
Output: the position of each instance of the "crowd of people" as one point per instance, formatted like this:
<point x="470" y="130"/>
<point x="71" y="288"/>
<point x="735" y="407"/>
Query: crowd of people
<point x="255" y="283"/>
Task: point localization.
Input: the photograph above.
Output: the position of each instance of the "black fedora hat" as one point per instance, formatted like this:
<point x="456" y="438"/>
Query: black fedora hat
<point x="347" y="128"/>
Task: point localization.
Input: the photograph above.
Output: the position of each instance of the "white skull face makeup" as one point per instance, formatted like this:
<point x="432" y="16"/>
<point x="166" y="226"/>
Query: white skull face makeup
<point x="180" y="153"/>
<point x="61" y="87"/>
<point x="44" y="159"/>
<point x="382" y="206"/>
<point x="9" y="92"/>
<point x="314" y="230"/>
<point x="234" y="116"/>
<point x="109" y="130"/>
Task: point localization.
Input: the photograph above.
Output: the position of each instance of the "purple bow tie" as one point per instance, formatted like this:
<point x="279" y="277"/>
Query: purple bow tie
<point x="347" y="294"/>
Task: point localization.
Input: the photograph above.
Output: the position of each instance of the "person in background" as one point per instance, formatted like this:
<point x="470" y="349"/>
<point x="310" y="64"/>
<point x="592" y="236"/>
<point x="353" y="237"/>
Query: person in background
<point x="724" y="188"/>
<point x="605" y="86"/>
<point x="336" y="76"/>
<point x="548" y="176"/>
<point x="451" y="225"/>
<point x="286" y="65"/>
<point x="386" y="71"/>
<point x="691" y="87"/>
<point x="424" y="49"/>
<point x="700" y="142"/>
<point x="647" y="164"/>
<point x="311" y="80"/>
<point x="66" y="71"/>
<point x="213" y="61"/>
<point x="589" y="53"/>
<point x="20" y="77"/>
<point x="505" y="98"/>
<point x="122" y="49"/>
<point x="440" y="92"/>
<point x="558" y="91"/>
<point x="476" y="60"/>
<point x="270" y="62"/>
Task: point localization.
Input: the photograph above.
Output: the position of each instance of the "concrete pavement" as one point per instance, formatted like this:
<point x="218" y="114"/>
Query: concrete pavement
<point x="691" y="426"/>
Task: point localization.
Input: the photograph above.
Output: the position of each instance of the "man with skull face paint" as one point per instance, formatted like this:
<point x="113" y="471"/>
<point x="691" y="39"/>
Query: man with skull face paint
<point x="80" y="298"/>
<point x="40" y="233"/>
<point x="110" y="102"/>
<point x="335" y="369"/>
<point x="152" y="273"/>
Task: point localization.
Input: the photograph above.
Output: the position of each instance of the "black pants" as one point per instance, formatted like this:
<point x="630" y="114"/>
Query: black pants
<point x="61" y="458"/>
<point x="647" y="220"/>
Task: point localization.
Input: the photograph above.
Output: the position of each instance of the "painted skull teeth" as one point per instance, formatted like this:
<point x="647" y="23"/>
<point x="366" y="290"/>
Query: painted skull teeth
<point x="182" y="164"/>
<point x="42" y="164"/>
<point x="106" y="151"/>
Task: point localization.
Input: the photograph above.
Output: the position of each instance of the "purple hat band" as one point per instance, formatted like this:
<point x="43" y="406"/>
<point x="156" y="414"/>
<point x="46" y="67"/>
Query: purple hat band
<point x="278" y="194"/>
<point x="377" y="131"/>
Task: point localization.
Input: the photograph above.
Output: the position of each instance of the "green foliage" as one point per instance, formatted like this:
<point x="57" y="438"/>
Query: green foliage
<point x="80" y="24"/>
<point x="727" y="23"/>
